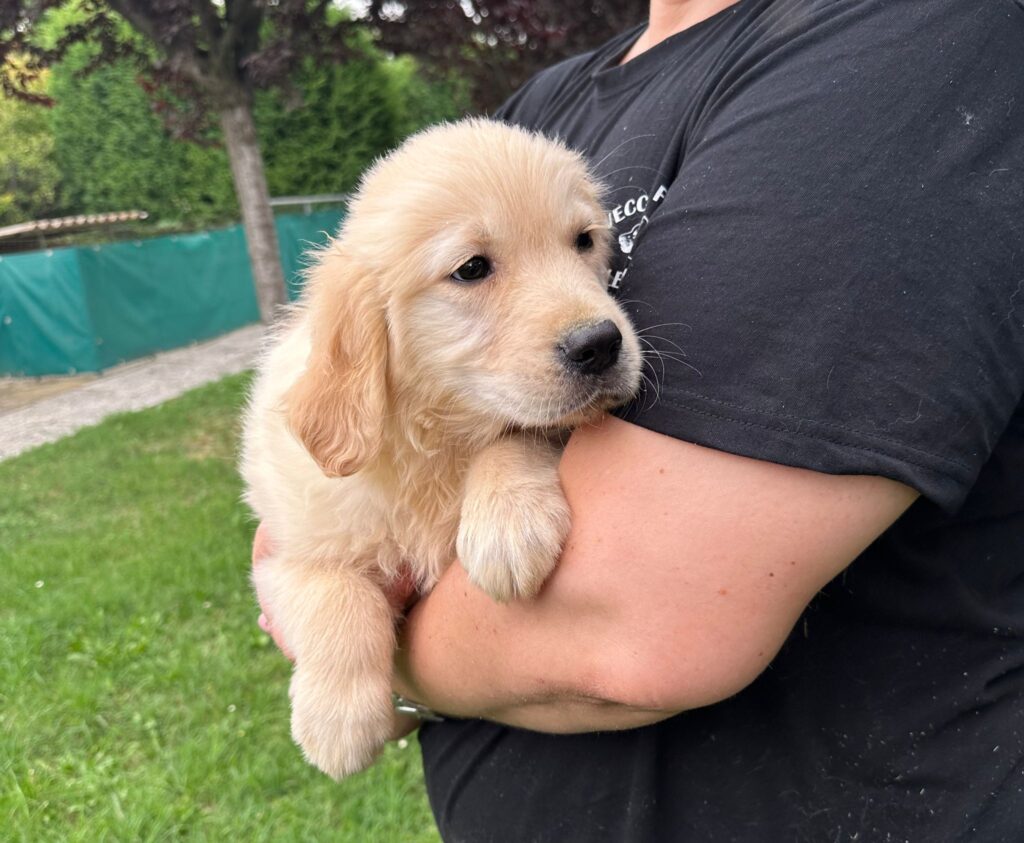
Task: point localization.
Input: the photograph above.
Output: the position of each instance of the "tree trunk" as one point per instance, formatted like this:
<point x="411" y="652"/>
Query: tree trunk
<point x="254" y="200"/>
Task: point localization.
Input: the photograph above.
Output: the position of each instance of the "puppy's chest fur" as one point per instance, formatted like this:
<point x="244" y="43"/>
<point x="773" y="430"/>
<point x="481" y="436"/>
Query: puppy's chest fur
<point x="424" y="494"/>
<point x="401" y="512"/>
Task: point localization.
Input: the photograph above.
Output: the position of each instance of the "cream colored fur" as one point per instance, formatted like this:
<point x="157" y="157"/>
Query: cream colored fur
<point x="400" y="418"/>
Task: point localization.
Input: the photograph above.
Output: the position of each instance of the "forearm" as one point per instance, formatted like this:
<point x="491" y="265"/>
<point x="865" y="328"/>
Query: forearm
<point x="464" y="655"/>
<point x="564" y="715"/>
<point x="684" y="571"/>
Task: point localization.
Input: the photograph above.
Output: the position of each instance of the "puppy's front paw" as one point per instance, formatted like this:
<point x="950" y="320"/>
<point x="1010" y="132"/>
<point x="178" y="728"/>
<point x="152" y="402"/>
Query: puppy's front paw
<point x="509" y="543"/>
<point x="340" y="732"/>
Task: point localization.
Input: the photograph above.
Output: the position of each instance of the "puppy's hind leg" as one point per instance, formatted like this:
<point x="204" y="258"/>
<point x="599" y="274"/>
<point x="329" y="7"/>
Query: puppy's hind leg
<point x="340" y="628"/>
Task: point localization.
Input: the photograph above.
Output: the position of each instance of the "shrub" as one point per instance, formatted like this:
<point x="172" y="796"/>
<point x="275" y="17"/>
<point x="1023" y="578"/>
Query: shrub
<point x="28" y="171"/>
<point x="113" y="151"/>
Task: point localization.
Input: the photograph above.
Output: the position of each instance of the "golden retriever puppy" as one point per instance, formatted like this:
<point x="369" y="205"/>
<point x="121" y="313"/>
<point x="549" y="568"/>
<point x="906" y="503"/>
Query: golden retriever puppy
<point x="406" y="411"/>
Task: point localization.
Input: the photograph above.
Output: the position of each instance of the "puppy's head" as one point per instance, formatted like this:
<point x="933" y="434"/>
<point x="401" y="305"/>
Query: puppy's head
<point x="469" y="282"/>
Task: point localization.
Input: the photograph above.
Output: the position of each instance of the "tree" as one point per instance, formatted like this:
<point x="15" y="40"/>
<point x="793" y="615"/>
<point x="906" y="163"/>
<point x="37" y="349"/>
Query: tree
<point x="114" y="153"/>
<point x="28" y="172"/>
<point x="212" y="56"/>
<point x="201" y="57"/>
<point x="350" y="114"/>
<point x="496" y="45"/>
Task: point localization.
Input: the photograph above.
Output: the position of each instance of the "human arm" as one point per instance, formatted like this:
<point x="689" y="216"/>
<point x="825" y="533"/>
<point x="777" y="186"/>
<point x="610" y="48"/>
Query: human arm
<point x="685" y="570"/>
<point x="824" y="299"/>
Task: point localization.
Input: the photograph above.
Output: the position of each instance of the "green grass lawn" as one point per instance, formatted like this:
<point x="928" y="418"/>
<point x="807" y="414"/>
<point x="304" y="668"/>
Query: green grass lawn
<point x="138" y="698"/>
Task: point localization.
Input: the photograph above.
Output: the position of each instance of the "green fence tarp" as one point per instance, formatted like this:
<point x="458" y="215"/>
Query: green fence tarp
<point x="44" y="325"/>
<point x="88" y="308"/>
<point x="297" y="236"/>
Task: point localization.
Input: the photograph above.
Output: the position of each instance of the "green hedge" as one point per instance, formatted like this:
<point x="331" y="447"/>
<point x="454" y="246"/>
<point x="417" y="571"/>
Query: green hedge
<point x="113" y="152"/>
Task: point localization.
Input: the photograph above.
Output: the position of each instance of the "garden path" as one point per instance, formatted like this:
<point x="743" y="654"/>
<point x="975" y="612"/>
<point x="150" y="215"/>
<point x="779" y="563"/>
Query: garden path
<point x="130" y="386"/>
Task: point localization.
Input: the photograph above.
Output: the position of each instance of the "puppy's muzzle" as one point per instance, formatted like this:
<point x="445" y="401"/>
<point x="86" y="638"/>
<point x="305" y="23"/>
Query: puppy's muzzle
<point x="591" y="349"/>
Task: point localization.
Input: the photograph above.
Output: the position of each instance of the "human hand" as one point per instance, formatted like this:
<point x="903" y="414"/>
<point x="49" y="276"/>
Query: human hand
<point x="262" y="547"/>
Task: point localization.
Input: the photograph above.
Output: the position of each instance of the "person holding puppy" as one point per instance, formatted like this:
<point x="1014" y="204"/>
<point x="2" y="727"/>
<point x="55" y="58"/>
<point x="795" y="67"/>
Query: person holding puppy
<point x="792" y="601"/>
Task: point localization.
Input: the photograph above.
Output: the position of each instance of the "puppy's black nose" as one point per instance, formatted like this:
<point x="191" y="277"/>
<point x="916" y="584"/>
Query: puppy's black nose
<point x="591" y="349"/>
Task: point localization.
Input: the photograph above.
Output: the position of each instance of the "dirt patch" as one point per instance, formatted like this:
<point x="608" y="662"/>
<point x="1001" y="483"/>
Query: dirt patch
<point x="23" y="392"/>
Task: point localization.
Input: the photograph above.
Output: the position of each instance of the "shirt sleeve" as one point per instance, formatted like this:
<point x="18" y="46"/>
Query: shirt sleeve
<point x="835" y="278"/>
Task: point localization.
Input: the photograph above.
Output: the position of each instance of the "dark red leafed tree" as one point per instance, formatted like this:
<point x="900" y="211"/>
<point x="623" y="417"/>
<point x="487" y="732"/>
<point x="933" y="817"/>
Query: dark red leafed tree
<point x="496" y="45"/>
<point x="207" y="57"/>
<point x="198" y="58"/>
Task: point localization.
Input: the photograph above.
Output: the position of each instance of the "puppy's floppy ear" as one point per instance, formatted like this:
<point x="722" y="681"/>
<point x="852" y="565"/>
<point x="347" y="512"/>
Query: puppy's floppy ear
<point x="337" y="407"/>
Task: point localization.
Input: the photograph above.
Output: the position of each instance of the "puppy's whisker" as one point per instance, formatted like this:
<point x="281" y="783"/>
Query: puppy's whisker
<point x="677" y="355"/>
<point x="624" y="302"/>
<point x="647" y="353"/>
<point x="653" y="349"/>
<point x="653" y="388"/>
<point x="652" y="395"/>
<point x="667" y="355"/>
<point x="675" y="358"/>
<point x="685" y="363"/>
<point x="648" y="356"/>
<point x="667" y="341"/>
<point x="664" y="325"/>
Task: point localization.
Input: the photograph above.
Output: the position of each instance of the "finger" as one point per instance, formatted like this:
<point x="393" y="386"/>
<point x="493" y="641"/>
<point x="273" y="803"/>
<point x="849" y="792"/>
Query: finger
<point x="262" y="546"/>
<point x="403" y="725"/>
<point x="401" y="590"/>
<point x="268" y="627"/>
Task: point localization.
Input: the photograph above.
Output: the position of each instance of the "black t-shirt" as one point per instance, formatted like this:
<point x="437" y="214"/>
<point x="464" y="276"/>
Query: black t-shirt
<point x="821" y="205"/>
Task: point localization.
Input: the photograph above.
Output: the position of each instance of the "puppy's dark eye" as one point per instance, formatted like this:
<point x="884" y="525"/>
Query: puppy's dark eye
<point x="584" y="242"/>
<point x="475" y="269"/>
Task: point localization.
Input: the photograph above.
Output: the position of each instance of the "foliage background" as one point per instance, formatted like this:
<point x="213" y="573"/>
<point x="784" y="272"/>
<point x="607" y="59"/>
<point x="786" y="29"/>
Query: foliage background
<point x="113" y="154"/>
<point x="102" y="147"/>
<point x="29" y="176"/>
<point x="105" y="146"/>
